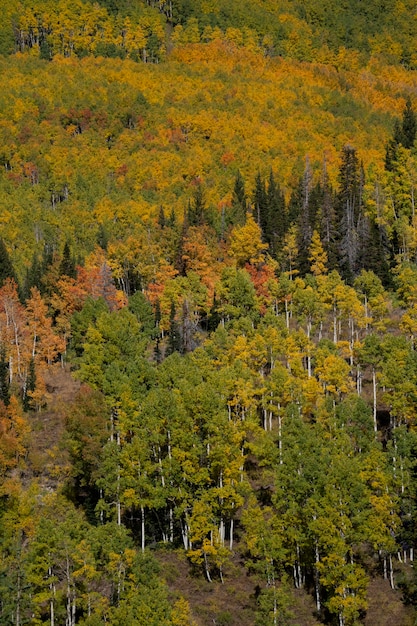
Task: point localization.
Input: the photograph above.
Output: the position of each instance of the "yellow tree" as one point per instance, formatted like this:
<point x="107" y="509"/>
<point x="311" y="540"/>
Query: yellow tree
<point x="318" y="256"/>
<point x="246" y="244"/>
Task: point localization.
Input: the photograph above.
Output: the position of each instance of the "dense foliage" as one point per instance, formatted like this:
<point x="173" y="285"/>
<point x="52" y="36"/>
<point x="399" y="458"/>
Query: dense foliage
<point x="208" y="216"/>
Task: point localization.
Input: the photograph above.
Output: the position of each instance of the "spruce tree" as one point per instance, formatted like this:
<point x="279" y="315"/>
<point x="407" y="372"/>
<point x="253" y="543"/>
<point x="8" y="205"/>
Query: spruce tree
<point x="174" y="337"/>
<point x="196" y="208"/>
<point x="33" y="277"/>
<point x="260" y="206"/>
<point x="30" y="385"/>
<point x="4" y="378"/>
<point x="6" y="266"/>
<point x="67" y="266"/>
<point x="327" y="218"/>
<point x="407" y="134"/>
<point x="239" y="201"/>
<point x="277" y="216"/>
<point x="404" y="134"/>
<point x="162" y="222"/>
<point x="349" y="212"/>
<point x="305" y="222"/>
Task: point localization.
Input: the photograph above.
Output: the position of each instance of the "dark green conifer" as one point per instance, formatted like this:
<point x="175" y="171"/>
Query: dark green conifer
<point x="33" y="277"/>
<point x="406" y="133"/>
<point x="276" y="226"/>
<point x="6" y="266"/>
<point x="102" y="237"/>
<point x="239" y="201"/>
<point x="174" y="337"/>
<point x="4" y="378"/>
<point x="161" y="218"/>
<point x="260" y="205"/>
<point x="196" y="208"/>
<point x="30" y="386"/>
<point x="349" y="213"/>
<point x="67" y="266"/>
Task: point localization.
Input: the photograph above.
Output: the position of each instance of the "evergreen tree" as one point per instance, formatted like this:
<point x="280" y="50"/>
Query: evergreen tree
<point x="299" y="214"/>
<point x="67" y="266"/>
<point x="172" y="220"/>
<point x="179" y="253"/>
<point x="174" y="337"/>
<point x="406" y="133"/>
<point x="30" y="385"/>
<point x="161" y="218"/>
<point x="142" y="309"/>
<point x="260" y="207"/>
<point x="33" y="277"/>
<point x="239" y="201"/>
<point x="102" y="237"/>
<point x="375" y="251"/>
<point x="6" y="266"/>
<point x="196" y="208"/>
<point x="305" y="220"/>
<point x="277" y="216"/>
<point x="349" y="212"/>
<point x="326" y="218"/>
<point x="4" y="378"/>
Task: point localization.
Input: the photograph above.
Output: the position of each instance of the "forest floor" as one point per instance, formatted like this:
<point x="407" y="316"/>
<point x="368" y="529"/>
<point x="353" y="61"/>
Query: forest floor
<point x="231" y="603"/>
<point x="386" y="607"/>
<point x="47" y="458"/>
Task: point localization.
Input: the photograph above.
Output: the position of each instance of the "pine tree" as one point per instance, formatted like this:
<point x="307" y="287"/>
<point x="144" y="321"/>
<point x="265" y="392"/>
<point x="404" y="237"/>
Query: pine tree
<point x="67" y="266"/>
<point x="197" y="208"/>
<point x="102" y="237"/>
<point x="239" y="201"/>
<point x="326" y="218"/>
<point x="305" y="220"/>
<point x="6" y="266"/>
<point x="406" y="134"/>
<point x="277" y="216"/>
<point x="260" y="206"/>
<point x="174" y="337"/>
<point x="33" y="277"/>
<point x="4" y="378"/>
<point x="349" y="212"/>
<point x="30" y="385"/>
<point x="162" y="222"/>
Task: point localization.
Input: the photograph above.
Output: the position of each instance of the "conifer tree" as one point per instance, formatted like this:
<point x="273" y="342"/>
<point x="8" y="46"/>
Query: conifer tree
<point x="260" y="206"/>
<point x="67" y="266"/>
<point x="33" y="277"/>
<point x="197" y="208"/>
<point x="6" y="266"/>
<point x="349" y="212"/>
<point x="174" y="337"/>
<point x="406" y="133"/>
<point x="239" y="201"/>
<point x="4" y="378"/>
<point x="30" y="385"/>
<point x="276" y="214"/>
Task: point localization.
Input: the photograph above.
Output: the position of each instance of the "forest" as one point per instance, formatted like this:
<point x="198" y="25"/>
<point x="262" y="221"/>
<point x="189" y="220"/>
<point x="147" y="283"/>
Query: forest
<point x="208" y="313"/>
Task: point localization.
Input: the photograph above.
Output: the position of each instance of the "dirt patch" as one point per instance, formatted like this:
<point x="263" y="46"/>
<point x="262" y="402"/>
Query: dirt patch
<point x="46" y="457"/>
<point x="386" y="607"/>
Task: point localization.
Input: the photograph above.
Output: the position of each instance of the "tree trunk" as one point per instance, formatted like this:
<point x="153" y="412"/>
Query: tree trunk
<point x="391" y="573"/>
<point x="317" y="580"/>
<point x="374" y="398"/>
<point x="142" y="530"/>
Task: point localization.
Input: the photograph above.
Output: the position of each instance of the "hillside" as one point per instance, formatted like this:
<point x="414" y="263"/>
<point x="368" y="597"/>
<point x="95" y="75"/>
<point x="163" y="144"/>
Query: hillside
<point x="208" y="313"/>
